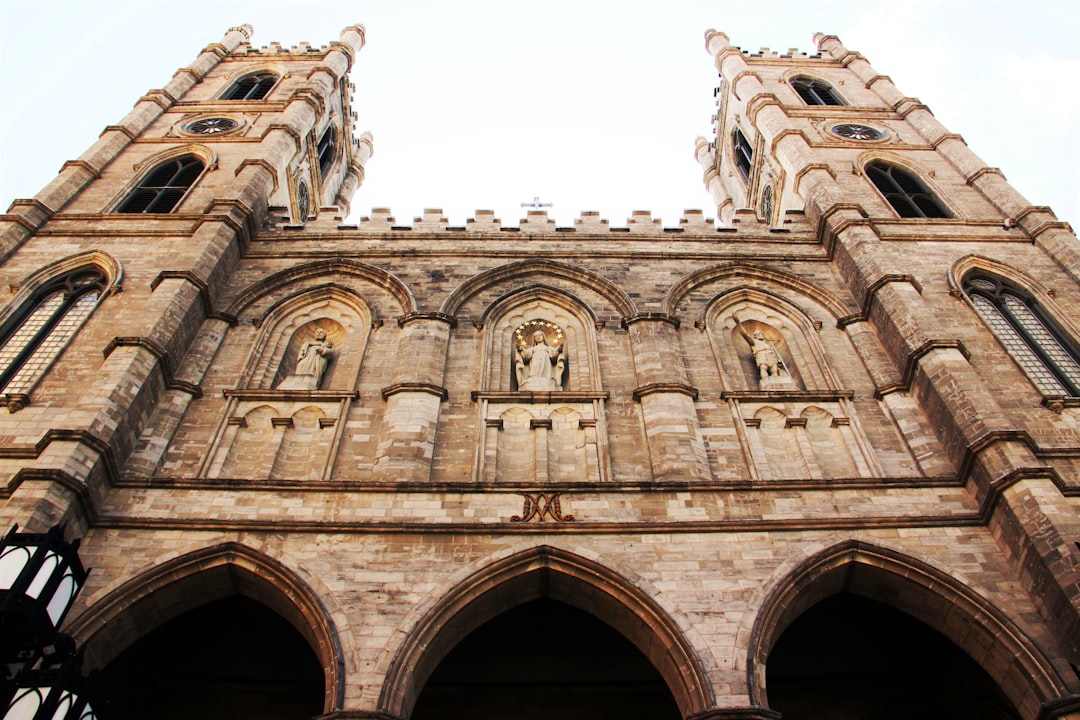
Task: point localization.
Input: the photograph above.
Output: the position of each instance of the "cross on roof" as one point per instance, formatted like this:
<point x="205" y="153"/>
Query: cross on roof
<point x="536" y="203"/>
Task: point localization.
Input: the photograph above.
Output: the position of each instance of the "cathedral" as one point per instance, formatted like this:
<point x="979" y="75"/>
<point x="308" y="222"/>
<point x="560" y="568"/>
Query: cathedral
<point x="814" y="455"/>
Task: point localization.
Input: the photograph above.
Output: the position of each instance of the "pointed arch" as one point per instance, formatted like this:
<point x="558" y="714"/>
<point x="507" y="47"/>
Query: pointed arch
<point x="622" y="302"/>
<point x="903" y="185"/>
<point x="713" y="273"/>
<point x="558" y="574"/>
<point x="324" y="269"/>
<point x="156" y="596"/>
<point x="931" y="596"/>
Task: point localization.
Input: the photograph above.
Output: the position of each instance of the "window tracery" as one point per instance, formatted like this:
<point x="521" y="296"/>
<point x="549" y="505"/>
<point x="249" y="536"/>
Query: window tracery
<point x="255" y="86"/>
<point x="816" y="92"/>
<point x="161" y="190"/>
<point x="905" y="192"/>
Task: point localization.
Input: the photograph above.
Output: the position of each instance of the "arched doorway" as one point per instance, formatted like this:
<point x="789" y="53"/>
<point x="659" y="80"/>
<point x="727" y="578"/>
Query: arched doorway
<point x="230" y="658"/>
<point x="529" y="610"/>
<point x="854" y="658"/>
<point x="545" y="659"/>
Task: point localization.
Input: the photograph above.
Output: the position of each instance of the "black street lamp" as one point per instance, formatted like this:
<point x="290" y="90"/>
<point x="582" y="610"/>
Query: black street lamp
<point x="40" y="575"/>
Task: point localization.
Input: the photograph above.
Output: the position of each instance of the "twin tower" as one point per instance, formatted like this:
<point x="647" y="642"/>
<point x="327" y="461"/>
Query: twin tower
<point x="816" y="457"/>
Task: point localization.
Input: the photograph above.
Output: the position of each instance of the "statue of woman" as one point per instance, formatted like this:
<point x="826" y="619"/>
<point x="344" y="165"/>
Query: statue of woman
<point x="310" y="364"/>
<point x="539" y="366"/>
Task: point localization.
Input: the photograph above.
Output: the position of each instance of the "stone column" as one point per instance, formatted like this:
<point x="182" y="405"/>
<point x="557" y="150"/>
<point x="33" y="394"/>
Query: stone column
<point x="676" y="450"/>
<point x="407" y="442"/>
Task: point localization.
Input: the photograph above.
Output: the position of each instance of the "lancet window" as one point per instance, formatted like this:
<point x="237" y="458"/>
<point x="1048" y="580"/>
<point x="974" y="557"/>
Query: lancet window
<point x="1031" y="337"/>
<point x="907" y="195"/>
<point x="327" y="150"/>
<point x="744" y="154"/>
<point x="816" y="92"/>
<point x="161" y="190"/>
<point x="251" y="87"/>
<point x="35" y="336"/>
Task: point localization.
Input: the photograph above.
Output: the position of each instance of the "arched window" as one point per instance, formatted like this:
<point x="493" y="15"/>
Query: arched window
<point x="815" y="92"/>
<point x="744" y="154"/>
<point x="251" y="87"/>
<point x="327" y="150"/>
<point x="1049" y="358"/>
<point x="33" y="338"/>
<point x="905" y="193"/>
<point x="161" y="190"/>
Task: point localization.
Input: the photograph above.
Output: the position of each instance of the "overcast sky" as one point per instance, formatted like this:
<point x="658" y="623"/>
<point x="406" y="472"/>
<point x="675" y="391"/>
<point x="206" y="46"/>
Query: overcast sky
<point x="589" y="105"/>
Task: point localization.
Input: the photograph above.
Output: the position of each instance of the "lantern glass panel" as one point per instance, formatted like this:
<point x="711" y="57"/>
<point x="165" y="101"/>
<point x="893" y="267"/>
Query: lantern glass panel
<point x="12" y="561"/>
<point x="43" y="575"/>
<point x="26" y="703"/>
<point x="61" y="599"/>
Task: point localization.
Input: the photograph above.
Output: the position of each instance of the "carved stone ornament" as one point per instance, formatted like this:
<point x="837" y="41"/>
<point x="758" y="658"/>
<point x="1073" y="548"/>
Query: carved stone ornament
<point x="539" y="360"/>
<point x="310" y="364"/>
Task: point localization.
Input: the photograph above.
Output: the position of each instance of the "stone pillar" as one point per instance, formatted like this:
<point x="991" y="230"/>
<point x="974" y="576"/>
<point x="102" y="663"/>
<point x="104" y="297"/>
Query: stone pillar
<point x="407" y="442"/>
<point x="676" y="450"/>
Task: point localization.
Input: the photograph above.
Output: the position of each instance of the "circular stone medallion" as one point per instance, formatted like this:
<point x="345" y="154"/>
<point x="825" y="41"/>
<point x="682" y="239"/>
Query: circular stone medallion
<point x="211" y="126"/>
<point x="855" y="131"/>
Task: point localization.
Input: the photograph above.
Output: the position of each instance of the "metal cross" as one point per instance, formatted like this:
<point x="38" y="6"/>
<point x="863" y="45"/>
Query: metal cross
<point x="536" y="203"/>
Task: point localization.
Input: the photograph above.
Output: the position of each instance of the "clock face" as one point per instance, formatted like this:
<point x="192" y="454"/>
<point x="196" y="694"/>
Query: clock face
<point x="211" y="126"/>
<point x="854" y="131"/>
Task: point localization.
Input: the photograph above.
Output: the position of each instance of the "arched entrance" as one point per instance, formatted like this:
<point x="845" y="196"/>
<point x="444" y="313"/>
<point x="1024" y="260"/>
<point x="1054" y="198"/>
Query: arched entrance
<point x="545" y="659"/>
<point x="906" y="599"/>
<point x="219" y="622"/>
<point x="230" y="658"/>
<point x="852" y="657"/>
<point x="497" y="609"/>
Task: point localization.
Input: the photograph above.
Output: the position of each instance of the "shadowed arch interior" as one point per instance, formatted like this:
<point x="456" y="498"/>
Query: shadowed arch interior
<point x="551" y="574"/>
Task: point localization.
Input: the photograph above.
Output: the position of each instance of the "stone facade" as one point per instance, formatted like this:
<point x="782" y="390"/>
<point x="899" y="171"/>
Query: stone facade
<point x="747" y="416"/>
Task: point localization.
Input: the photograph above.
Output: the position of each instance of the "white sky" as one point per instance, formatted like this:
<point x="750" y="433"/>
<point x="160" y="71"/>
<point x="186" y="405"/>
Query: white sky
<point x="589" y="105"/>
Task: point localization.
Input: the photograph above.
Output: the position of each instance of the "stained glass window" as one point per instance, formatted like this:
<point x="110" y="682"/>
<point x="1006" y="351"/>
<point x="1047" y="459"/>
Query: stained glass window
<point x="34" y="338"/>
<point x="1030" y="336"/>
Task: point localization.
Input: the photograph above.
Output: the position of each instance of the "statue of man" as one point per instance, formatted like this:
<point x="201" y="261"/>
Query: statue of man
<point x="768" y="361"/>
<point x="539" y="366"/>
<point x="310" y="363"/>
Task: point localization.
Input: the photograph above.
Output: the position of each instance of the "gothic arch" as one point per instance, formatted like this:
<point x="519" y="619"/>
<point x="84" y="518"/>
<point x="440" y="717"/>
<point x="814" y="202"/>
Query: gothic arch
<point x="903" y="162"/>
<point x="576" y="319"/>
<point x="340" y="312"/>
<point x="325" y="269"/>
<point x="688" y="283"/>
<point x="622" y="302"/>
<point x="966" y="264"/>
<point x="544" y="571"/>
<point x="184" y="583"/>
<point x="110" y="266"/>
<point x="931" y="596"/>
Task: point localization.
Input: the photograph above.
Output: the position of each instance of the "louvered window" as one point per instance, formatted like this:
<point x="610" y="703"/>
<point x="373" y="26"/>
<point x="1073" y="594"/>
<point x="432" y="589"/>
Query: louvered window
<point x="161" y="190"/>
<point x="327" y="150"/>
<point x="251" y="87"/>
<point x="904" y="192"/>
<point x="815" y="92"/>
<point x="35" y="336"/>
<point x="1048" y="357"/>
<point x="744" y="154"/>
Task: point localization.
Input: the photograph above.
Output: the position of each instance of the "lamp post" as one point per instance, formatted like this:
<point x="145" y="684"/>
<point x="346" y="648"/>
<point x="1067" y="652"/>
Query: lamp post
<point x="40" y="575"/>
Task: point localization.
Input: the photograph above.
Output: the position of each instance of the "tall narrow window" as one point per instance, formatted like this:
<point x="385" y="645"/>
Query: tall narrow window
<point x="33" y="338"/>
<point x="1048" y="357"/>
<point x="744" y="154"/>
<point x="251" y="87"/>
<point x="815" y="92"/>
<point x="327" y="150"/>
<point x="905" y="193"/>
<point x="161" y="190"/>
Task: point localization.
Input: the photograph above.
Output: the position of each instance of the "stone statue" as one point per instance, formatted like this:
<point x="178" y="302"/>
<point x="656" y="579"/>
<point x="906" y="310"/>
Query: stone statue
<point x="539" y="366"/>
<point x="768" y="361"/>
<point x="310" y="364"/>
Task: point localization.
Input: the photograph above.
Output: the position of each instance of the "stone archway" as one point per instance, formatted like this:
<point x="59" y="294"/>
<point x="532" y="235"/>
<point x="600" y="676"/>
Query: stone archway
<point x="556" y="575"/>
<point x="968" y="621"/>
<point x="197" y="580"/>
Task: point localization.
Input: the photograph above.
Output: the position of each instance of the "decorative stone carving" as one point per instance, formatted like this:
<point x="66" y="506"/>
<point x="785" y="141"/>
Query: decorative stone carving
<point x="772" y="370"/>
<point x="539" y="363"/>
<point x="310" y="364"/>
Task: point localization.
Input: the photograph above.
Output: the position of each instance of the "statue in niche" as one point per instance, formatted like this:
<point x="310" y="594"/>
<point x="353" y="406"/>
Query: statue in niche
<point x="310" y="363"/>
<point x="539" y="362"/>
<point x="772" y="371"/>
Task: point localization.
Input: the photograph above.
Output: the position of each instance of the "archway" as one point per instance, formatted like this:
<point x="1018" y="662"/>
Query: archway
<point x="928" y="597"/>
<point x="225" y="586"/>
<point x="852" y="657"/>
<point x="545" y="659"/>
<point x="609" y="603"/>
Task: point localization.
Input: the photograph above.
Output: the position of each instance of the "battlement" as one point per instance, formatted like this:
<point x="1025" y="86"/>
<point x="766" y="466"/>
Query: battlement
<point x="538" y="223"/>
